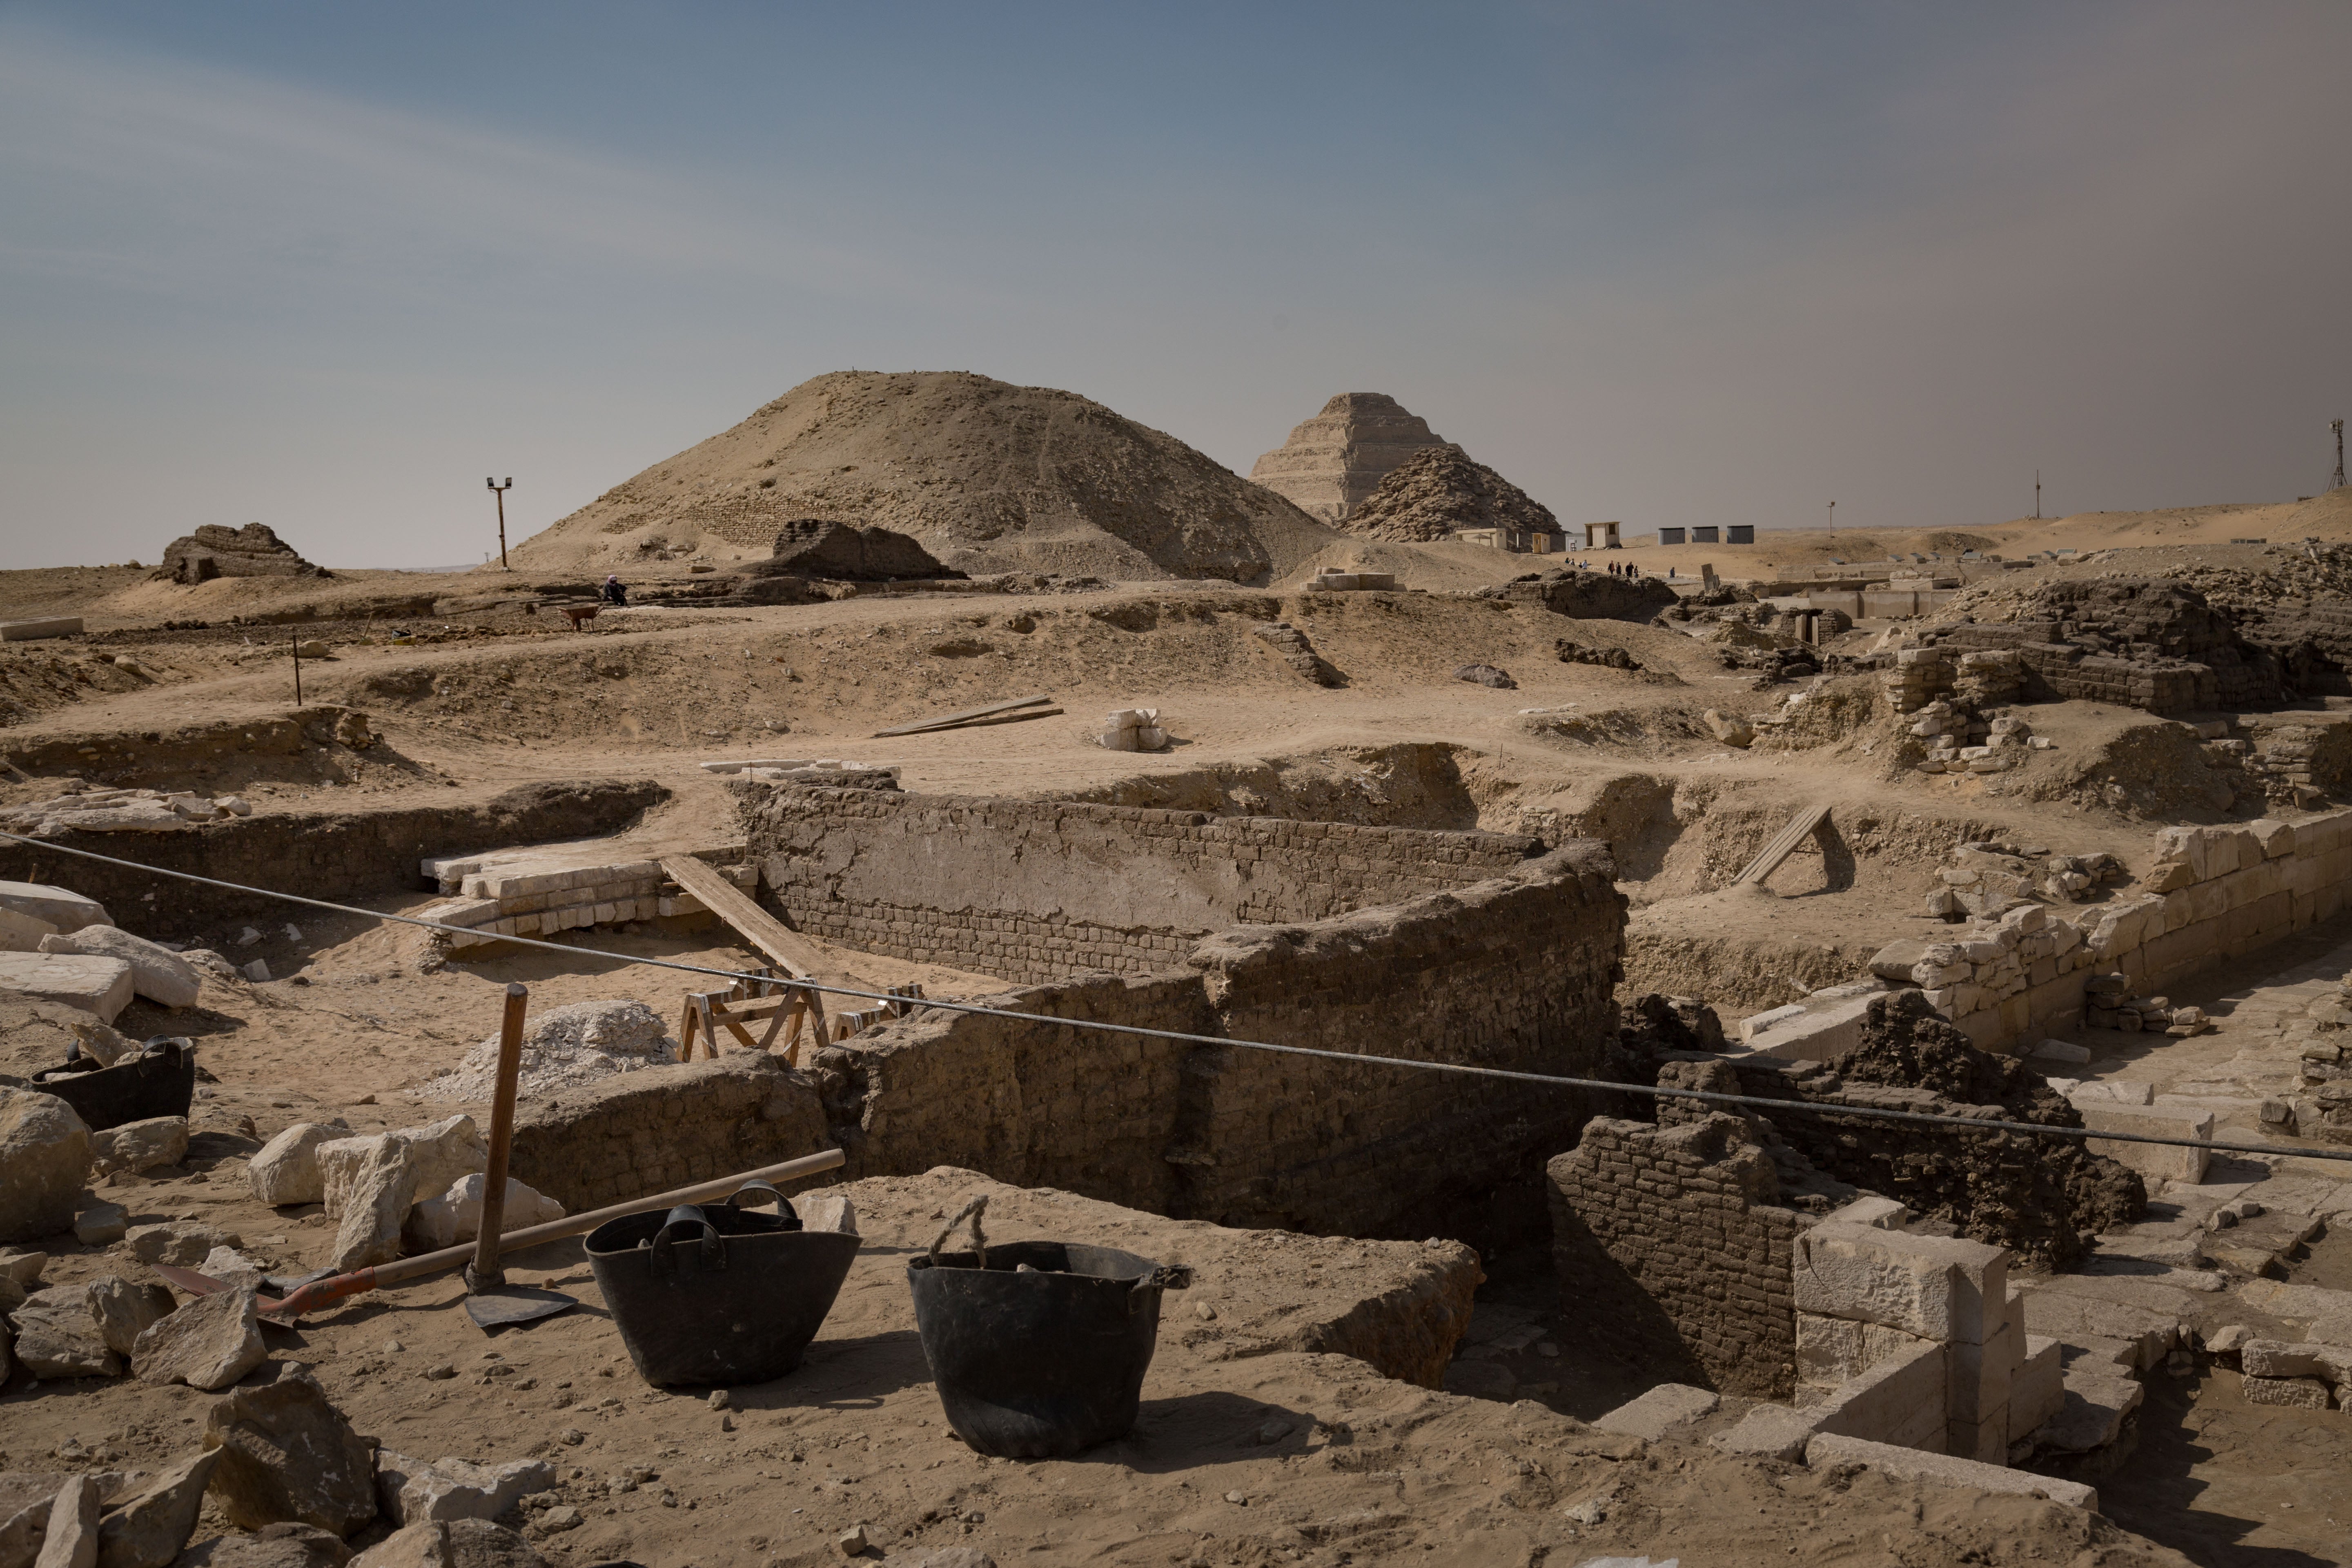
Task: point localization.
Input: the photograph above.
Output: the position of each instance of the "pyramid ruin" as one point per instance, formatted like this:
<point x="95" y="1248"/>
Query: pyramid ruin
<point x="1333" y="462"/>
<point x="985" y="476"/>
<point x="1439" y="490"/>
<point x="213" y="551"/>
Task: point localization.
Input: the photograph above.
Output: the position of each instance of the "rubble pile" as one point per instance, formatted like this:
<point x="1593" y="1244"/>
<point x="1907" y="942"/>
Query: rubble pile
<point x="2323" y="1108"/>
<point x="1987" y="877"/>
<point x="89" y="810"/>
<point x="2148" y="643"/>
<point x="1439" y="490"/>
<point x="1587" y="596"/>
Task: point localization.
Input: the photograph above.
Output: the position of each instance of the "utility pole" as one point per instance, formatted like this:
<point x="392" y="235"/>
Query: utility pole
<point x="2037" y="495"/>
<point x="2338" y="483"/>
<point x="1832" y="517"/>
<point x="500" y="491"/>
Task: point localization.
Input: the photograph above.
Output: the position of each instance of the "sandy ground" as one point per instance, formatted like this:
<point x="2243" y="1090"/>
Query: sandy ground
<point x="1245" y="1453"/>
<point x="1621" y="755"/>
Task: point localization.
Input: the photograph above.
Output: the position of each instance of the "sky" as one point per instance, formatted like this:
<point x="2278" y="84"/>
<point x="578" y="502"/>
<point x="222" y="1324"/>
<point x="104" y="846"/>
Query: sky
<point x="328" y="266"/>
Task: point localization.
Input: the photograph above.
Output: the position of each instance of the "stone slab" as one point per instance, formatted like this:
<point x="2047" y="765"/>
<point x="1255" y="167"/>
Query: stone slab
<point x="1911" y="1464"/>
<point x="99" y="986"/>
<point x="1660" y="1411"/>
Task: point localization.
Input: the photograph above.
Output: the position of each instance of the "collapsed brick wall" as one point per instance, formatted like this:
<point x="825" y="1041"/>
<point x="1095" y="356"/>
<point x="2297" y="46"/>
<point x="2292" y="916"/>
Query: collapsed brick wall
<point x="1672" y="1246"/>
<point x="665" y="1127"/>
<point x="338" y="855"/>
<point x="2149" y="644"/>
<point x="1516" y="972"/>
<point x="1036" y="891"/>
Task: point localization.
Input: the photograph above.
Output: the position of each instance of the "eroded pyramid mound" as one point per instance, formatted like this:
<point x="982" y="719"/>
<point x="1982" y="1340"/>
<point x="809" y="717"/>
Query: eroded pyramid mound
<point x="213" y="551"/>
<point x="988" y="476"/>
<point x="1334" y="462"/>
<point x="1438" y="490"/>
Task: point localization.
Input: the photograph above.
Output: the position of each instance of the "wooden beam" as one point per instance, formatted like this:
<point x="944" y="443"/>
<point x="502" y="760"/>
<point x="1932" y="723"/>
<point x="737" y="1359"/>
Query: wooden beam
<point x="790" y="951"/>
<point x="970" y="724"/>
<point x="945" y="720"/>
<point x="1806" y="823"/>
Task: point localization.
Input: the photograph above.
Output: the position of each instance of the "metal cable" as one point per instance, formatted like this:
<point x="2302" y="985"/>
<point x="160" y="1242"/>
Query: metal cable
<point x="1974" y="1124"/>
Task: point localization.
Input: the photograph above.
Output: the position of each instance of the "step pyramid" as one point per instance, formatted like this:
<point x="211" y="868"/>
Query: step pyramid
<point x="1333" y="462"/>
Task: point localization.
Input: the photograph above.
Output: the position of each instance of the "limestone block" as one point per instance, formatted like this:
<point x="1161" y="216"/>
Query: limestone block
<point x="287" y="1453"/>
<point x="2296" y="1393"/>
<point x="22" y="933"/>
<point x="286" y="1170"/>
<point x="373" y="1182"/>
<point x="44" y="1159"/>
<point x="184" y="1243"/>
<point x="455" y="1215"/>
<point x="827" y="1211"/>
<point x="1756" y="1023"/>
<point x="99" y="986"/>
<point x="1870" y="1209"/>
<point x="1660" y="1411"/>
<point x="1817" y="1035"/>
<point x="72" y="1537"/>
<point x="149" y="1530"/>
<point x="63" y="910"/>
<point x="411" y="1491"/>
<point x="2038" y="1388"/>
<point x="141" y="1145"/>
<point x="1772" y="1431"/>
<point x="1913" y="1465"/>
<point x="125" y="1311"/>
<point x="2277" y="1358"/>
<point x="2162" y="1161"/>
<point x="1934" y="1286"/>
<point x="58" y="1334"/>
<point x="1983" y="1376"/>
<point x="158" y="974"/>
<point x="2274" y="838"/>
<point x="1903" y="1399"/>
<point x="208" y="1344"/>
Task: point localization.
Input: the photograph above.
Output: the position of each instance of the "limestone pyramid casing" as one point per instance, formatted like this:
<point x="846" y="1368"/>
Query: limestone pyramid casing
<point x="1333" y="462"/>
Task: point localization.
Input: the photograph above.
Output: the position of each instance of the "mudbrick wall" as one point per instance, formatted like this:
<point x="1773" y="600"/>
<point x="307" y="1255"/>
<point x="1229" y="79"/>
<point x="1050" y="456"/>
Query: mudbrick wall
<point x="340" y="854"/>
<point x="1671" y="1244"/>
<point x="665" y="1127"/>
<point x="1037" y="890"/>
<point x="1515" y="970"/>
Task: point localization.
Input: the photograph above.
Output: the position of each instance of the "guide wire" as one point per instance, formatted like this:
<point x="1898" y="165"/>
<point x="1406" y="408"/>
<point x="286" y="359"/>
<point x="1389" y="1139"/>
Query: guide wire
<point x="1353" y="1059"/>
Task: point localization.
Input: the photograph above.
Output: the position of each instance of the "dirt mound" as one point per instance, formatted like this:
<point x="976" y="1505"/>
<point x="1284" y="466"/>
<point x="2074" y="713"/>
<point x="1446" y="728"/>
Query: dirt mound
<point x="1439" y="490"/>
<point x="810" y="547"/>
<point x="988" y="476"/>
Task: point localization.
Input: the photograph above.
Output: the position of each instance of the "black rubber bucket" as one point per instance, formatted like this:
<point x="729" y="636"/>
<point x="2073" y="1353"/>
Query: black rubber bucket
<point x="717" y="1295"/>
<point x="1038" y="1348"/>
<point x="161" y="1080"/>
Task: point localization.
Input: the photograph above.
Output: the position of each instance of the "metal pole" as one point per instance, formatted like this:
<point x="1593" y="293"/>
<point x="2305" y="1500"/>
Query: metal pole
<point x="297" y="668"/>
<point x="485" y="1271"/>
<point x="500" y="491"/>
<point x="2037" y="495"/>
<point x="2338" y="428"/>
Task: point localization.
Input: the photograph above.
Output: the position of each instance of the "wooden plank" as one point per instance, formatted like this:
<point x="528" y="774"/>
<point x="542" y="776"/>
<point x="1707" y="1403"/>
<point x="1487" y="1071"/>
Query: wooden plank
<point x="790" y="951"/>
<point x="945" y="718"/>
<point x="1806" y="823"/>
<point x="976" y="723"/>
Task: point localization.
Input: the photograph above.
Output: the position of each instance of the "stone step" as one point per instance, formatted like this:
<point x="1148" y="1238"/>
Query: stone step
<point x="2097" y="1400"/>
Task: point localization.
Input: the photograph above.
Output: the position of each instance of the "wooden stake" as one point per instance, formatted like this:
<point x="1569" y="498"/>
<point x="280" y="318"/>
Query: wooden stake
<point x="486" y="1271"/>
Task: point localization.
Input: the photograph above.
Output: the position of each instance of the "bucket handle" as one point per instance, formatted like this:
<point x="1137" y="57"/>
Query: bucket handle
<point x="1164" y="1277"/>
<point x="756" y="1190"/>
<point x="972" y="1211"/>
<point x="712" y="1253"/>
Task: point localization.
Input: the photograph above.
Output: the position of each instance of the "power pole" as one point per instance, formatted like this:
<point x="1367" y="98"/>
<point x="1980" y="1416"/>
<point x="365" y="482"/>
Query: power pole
<point x="500" y="491"/>
<point x="2339" y="482"/>
<point x="2037" y="495"/>
<point x="1832" y="517"/>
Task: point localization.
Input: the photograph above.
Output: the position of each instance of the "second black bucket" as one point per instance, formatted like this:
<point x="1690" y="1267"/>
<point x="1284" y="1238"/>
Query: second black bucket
<point x="714" y="1296"/>
<point x="160" y="1080"/>
<point x="1038" y="1348"/>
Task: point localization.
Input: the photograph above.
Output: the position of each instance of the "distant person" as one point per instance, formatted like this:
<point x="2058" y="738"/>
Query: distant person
<point x="614" y="593"/>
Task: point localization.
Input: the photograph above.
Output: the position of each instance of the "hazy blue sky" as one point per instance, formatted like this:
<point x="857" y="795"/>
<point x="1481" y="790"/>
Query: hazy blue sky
<point x="329" y="266"/>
